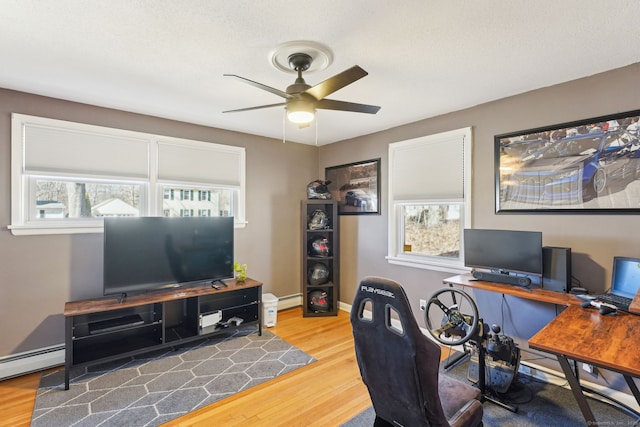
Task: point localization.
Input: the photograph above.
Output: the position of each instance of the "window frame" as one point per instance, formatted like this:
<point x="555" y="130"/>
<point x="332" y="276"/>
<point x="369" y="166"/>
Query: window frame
<point x="395" y="253"/>
<point x="151" y="196"/>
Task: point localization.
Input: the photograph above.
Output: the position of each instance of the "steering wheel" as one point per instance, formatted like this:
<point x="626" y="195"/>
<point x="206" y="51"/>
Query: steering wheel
<point x="457" y="314"/>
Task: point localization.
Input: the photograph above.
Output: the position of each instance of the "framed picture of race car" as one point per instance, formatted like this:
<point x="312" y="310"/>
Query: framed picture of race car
<point x="356" y="187"/>
<point x="590" y="166"/>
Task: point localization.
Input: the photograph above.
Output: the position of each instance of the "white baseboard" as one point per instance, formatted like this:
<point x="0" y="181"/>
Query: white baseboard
<point x="31" y="361"/>
<point x="344" y="306"/>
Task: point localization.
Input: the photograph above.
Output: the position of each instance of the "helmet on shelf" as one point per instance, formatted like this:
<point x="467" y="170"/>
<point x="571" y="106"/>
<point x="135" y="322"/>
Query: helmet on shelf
<point x="318" y="246"/>
<point x="318" y="189"/>
<point x="318" y="301"/>
<point x="318" y="220"/>
<point x="317" y="274"/>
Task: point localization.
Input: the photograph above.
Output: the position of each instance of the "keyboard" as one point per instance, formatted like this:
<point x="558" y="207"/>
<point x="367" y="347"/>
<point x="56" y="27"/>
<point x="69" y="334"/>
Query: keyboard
<point x="622" y="303"/>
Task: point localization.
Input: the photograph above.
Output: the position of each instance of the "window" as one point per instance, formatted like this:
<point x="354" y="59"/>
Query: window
<point x="67" y="176"/>
<point x="75" y="199"/>
<point x="429" y="200"/>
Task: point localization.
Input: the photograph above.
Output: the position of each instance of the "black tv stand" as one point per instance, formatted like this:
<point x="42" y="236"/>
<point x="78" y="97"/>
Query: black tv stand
<point x="105" y="329"/>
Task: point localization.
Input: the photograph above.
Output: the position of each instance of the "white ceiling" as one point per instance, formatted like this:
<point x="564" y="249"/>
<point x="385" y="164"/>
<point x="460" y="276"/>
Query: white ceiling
<point x="167" y="58"/>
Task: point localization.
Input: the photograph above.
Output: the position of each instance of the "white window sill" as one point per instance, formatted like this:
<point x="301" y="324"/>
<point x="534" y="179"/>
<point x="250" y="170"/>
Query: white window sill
<point x="35" y="229"/>
<point x="428" y="265"/>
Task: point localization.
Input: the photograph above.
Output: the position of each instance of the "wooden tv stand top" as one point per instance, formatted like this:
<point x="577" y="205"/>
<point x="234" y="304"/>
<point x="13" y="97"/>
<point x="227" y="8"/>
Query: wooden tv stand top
<point x="75" y="308"/>
<point x="533" y="293"/>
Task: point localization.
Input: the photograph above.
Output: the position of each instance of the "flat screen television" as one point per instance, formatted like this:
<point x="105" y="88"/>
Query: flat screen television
<point x="504" y="251"/>
<point x="149" y="253"/>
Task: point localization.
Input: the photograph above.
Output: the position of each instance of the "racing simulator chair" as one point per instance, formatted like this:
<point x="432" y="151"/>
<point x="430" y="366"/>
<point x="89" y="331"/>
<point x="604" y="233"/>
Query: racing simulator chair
<point x="400" y="365"/>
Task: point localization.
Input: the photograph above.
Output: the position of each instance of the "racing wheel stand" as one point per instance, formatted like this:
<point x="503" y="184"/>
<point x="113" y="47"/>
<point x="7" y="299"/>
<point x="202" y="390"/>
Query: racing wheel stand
<point x="457" y="328"/>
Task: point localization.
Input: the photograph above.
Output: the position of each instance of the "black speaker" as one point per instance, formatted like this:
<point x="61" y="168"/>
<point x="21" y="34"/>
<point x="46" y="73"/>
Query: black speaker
<point x="556" y="268"/>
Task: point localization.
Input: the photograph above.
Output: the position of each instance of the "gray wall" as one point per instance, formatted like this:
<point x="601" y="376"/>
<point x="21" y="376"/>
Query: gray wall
<point x="38" y="274"/>
<point x="594" y="239"/>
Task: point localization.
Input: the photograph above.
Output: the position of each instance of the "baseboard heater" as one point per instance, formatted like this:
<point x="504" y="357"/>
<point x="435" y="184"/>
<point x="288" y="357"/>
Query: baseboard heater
<point x="289" y="301"/>
<point x="31" y="361"/>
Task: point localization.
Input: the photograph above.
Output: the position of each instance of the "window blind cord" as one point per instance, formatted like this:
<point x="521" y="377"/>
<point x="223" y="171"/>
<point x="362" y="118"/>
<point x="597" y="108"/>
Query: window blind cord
<point x="284" y="126"/>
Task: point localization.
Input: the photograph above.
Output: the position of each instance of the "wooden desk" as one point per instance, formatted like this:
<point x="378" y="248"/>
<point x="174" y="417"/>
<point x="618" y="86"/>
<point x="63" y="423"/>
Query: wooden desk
<point x="584" y="335"/>
<point x="533" y="293"/>
<point x="580" y="334"/>
<point x="635" y="304"/>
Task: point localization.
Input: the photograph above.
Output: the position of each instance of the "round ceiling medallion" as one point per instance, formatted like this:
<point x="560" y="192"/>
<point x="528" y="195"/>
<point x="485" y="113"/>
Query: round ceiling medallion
<point x="321" y="55"/>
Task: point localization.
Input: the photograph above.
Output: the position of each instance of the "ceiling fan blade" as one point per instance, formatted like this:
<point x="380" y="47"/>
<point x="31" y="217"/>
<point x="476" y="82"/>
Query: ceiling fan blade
<point x="332" y="104"/>
<point x="336" y="82"/>
<point x="255" y="108"/>
<point x="261" y="86"/>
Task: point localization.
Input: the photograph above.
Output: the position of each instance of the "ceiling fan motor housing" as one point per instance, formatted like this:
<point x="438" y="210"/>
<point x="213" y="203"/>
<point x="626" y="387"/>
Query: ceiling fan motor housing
<point x="300" y="61"/>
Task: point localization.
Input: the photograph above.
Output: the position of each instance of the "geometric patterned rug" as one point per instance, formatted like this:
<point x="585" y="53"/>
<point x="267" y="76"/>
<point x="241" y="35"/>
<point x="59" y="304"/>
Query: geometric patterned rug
<point x="153" y="388"/>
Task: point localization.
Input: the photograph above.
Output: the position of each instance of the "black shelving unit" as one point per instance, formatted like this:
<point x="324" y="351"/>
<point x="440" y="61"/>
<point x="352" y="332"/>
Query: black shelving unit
<point x="329" y="289"/>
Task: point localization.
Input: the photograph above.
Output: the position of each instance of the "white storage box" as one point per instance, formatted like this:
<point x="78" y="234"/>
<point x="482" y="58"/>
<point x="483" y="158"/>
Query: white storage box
<point x="269" y="310"/>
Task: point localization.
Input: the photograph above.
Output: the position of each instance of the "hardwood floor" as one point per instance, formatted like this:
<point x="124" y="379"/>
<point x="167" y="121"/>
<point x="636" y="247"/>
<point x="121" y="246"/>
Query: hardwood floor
<point x="327" y="392"/>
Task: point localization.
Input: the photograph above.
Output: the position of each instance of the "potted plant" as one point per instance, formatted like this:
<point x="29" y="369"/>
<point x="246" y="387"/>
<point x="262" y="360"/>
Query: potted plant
<point x="240" y="271"/>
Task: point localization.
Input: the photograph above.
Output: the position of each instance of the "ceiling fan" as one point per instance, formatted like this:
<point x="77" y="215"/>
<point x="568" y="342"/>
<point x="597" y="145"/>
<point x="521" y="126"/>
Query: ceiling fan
<point x="302" y="100"/>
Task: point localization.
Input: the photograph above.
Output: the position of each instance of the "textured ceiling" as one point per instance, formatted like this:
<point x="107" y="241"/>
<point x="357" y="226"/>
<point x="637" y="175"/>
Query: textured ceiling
<point x="424" y="57"/>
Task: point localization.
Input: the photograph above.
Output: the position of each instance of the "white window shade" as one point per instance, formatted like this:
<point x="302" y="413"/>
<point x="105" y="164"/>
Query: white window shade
<point x="51" y="149"/>
<point x="47" y="150"/>
<point x="429" y="168"/>
<point x="205" y="163"/>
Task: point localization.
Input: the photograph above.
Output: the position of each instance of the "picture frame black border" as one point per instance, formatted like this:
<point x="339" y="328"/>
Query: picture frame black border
<point x="559" y="210"/>
<point x="329" y="171"/>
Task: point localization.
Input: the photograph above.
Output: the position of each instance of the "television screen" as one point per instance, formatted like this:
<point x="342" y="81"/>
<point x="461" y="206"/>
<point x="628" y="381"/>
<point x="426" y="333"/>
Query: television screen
<point x="147" y="253"/>
<point x="503" y="250"/>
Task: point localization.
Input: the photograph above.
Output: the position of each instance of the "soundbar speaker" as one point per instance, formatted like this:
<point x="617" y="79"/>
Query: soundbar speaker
<point x="556" y="268"/>
<point x="501" y="278"/>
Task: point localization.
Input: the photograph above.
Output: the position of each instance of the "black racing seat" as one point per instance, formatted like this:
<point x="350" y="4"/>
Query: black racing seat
<point x="400" y="365"/>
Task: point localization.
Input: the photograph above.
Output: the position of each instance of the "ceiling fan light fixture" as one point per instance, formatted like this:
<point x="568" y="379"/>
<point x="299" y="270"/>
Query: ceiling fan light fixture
<point x="300" y="112"/>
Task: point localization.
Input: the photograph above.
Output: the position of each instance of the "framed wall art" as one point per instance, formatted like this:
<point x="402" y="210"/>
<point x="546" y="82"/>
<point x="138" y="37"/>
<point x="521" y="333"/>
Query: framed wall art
<point x="587" y="166"/>
<point x="356" y="187"/>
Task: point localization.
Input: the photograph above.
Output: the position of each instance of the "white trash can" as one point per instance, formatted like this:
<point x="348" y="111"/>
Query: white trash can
<point x="269" y="310"/>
